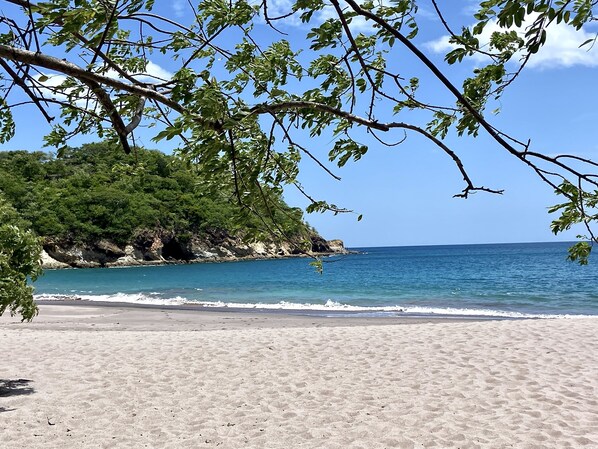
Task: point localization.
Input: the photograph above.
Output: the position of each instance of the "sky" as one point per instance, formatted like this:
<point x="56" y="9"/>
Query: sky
<point x="405" y="193"/>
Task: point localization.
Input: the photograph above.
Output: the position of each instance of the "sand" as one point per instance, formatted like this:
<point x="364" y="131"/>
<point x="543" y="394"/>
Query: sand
<point x="98" y="377"/>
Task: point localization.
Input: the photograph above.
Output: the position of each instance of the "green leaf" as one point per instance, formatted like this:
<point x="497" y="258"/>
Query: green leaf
<point x="589" y="41"/>
<point x="318" y="266"/>
<point x="7" y="125"/>
<point x="580" y="253"/>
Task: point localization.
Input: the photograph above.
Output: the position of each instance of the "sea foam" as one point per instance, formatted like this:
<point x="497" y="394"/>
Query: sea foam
<point x="136" y="298"/>
<point x="154" y="298"/>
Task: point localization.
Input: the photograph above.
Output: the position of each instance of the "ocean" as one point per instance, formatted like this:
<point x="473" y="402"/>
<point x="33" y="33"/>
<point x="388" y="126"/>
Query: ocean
<point x="502" y="280"/>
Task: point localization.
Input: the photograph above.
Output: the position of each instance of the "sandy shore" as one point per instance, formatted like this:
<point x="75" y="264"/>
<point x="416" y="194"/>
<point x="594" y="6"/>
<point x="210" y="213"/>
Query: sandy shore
<point x="99" y="377"/>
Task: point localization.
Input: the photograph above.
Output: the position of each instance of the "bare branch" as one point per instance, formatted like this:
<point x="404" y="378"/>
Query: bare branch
<point x="470" y="187"/>
<point x="293" y="105"/>
<point x="115" y="117"/>
<point x="302" y="148"/>
<point x="98" y="51"/>
<point x="19" y="82"/>
<point x="456" y="36"/>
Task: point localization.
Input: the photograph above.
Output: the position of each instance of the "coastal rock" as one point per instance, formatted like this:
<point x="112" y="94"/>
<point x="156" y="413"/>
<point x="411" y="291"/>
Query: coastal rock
<point x="319" y="245"/>
<point x="158" y="247"/>
<point x="73" y="255"/>
<point x="110" y="249"/>
<point x="149" y="245"/>
<point x="50" y="263"/>
<point x="202" y="251"/>
<point x="337" y="246"/>
<point x="80" y="255"/>
<point x="176" y="249"/>
<point x="126" y="261"/>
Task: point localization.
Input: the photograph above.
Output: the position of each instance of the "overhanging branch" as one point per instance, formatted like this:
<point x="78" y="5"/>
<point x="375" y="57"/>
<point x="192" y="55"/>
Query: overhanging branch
<point x="70" y="69"/>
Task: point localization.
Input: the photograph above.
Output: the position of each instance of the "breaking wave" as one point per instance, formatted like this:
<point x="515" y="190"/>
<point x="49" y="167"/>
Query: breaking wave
<point x="154" y="298"/>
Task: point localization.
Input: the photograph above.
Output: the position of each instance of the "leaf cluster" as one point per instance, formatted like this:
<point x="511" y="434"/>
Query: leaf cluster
<point x="580" y="207"/>
<point x="20" y="253"/>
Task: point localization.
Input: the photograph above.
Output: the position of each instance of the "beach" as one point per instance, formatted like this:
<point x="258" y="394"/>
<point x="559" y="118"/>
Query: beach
<point x="123" y="377"/>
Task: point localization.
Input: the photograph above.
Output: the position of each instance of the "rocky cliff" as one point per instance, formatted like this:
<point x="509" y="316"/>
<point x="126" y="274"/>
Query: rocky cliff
<point x="155" y="248"/>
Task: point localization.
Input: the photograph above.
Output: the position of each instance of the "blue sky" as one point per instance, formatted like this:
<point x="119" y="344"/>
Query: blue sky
<point x="405" y="193"/>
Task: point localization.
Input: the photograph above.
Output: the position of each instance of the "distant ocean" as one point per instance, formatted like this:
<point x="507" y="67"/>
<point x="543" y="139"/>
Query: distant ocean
<point x="506" y="280"/>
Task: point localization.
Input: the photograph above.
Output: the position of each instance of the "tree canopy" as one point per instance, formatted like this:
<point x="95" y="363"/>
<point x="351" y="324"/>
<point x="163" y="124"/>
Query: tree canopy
<point x="245" y="105"/>
<point x="98" y="192"/>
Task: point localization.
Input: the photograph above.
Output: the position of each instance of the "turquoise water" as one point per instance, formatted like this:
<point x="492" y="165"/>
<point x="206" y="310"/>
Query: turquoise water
<point x="501" y="279"/>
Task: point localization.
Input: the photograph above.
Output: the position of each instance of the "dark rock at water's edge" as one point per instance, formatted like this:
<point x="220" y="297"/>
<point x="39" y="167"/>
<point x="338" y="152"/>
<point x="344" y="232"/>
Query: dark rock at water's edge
<point x="157" y="247"/>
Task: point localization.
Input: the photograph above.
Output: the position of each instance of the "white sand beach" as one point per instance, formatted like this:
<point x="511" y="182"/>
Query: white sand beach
<point x="115" y="377"/>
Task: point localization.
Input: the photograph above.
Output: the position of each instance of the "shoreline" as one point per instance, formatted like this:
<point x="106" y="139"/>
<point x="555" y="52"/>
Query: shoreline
<point x="328" y="310"/>
<point x="190" y="306"/>
<point x="89" y="315"/>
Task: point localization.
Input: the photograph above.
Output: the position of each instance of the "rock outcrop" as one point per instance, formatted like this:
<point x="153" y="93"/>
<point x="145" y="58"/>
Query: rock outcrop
<point x="155" y="248"/>
<point x="48" y="262"/>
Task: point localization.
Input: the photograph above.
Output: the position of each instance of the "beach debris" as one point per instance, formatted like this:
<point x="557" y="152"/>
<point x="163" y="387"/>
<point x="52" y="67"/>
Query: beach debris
<point x="50" y="423"/>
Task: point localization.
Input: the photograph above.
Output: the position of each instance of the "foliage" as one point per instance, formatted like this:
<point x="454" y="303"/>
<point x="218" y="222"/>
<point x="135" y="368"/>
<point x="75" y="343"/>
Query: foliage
<point x="98" y="192"/>
<point x="242" y="102"/>
<point x="582" y="207"/>
<point x="20" y="254"/>
<point x="318" y="265"/>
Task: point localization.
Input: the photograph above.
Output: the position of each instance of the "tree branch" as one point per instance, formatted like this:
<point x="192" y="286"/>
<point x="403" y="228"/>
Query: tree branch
<point x="70" y="69"/>
<point x="19" y="82"/>
<point x="470" y="187"/>
<point x="263" y="108"/>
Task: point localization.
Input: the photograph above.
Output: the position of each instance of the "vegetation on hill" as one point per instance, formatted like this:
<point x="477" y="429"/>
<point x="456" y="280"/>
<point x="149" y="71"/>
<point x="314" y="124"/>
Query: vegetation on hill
<point x="98" y="192"/>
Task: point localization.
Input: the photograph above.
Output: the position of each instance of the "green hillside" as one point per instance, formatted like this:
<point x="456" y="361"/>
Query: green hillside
<point x="97" y="192"/>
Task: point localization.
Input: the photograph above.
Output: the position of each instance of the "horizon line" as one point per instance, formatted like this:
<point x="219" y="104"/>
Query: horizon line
<point x="460" y="244"/>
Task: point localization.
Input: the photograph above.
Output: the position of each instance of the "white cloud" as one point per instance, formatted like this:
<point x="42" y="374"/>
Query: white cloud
<point x="153" y="72"/>
<point x="179" y="8"/>
<point x="470" y="8"/>
<point x="47" y="82"/>
<point x="426" y="13"/>
<point x="560" y="50"/>
<point x="440" y="45"/>
<point x="358" y="24"/>
<point x="277" y="8"/>
<point x="50" y="80"/>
